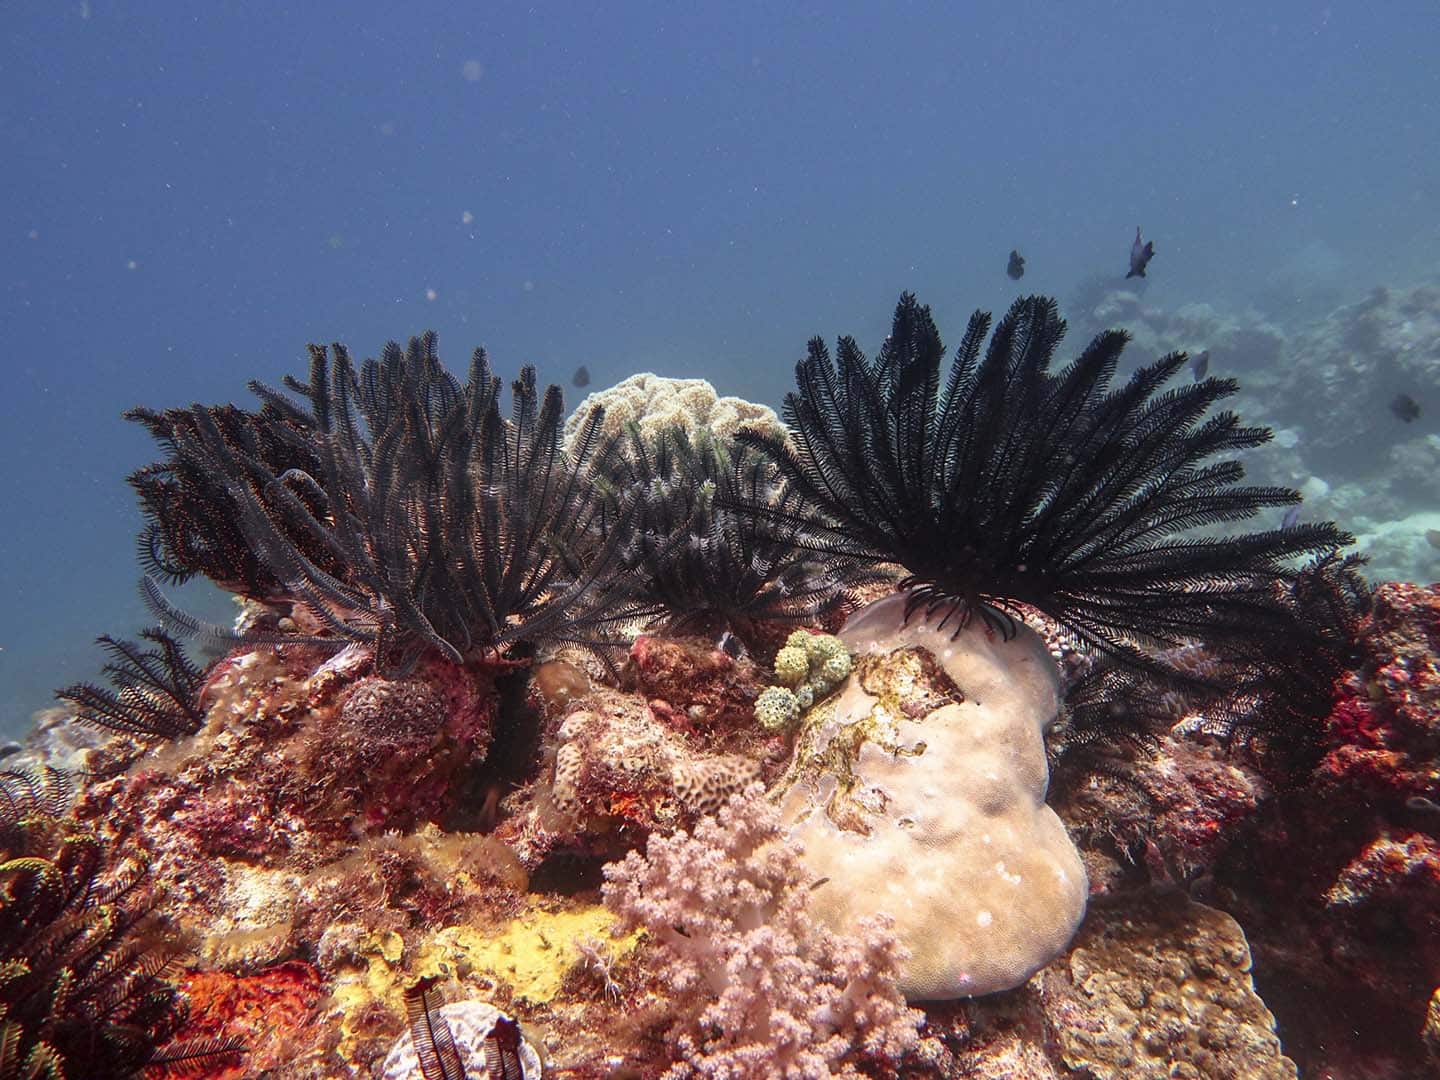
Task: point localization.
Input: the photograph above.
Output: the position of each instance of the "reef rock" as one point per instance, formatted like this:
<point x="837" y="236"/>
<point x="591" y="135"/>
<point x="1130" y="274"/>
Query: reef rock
<point x="1158" y="987"/>
<point x="919" y="791"/>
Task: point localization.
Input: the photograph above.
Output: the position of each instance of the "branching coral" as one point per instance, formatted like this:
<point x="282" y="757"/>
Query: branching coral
<point x="775" y="994"/>
<point x="420" y="517"/>
<point x="1014" y="485"/>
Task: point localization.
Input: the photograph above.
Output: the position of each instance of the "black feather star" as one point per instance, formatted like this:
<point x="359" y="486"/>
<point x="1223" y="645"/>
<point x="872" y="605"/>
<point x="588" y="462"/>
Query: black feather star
<point x="83" y="991"/>
<point x="190" y="521"/>
<point x="427" y="520"/>
<point x="697" y="545"/>
<point x="154" y="692"/>
<point x="1014" y="485"/>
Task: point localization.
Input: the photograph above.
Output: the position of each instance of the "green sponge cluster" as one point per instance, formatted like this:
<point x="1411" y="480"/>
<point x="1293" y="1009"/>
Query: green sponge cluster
<point x="807" y="668"/>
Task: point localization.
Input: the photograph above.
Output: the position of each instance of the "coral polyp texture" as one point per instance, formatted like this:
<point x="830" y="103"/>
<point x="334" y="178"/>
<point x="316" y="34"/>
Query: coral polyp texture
<point x="761" y="989"/>
<point x="83" y="991"/>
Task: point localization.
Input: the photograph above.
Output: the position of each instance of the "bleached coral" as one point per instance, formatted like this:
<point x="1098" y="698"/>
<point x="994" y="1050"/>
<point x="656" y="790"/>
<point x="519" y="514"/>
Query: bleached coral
<point x="774" y="994"/>
<point x="656" y="403"/>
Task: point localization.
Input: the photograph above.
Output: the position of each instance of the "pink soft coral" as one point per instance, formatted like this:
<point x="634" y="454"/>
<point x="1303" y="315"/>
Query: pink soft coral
<point x="775" y="994"/>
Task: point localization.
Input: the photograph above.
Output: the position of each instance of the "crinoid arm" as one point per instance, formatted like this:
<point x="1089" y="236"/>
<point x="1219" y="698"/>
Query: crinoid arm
<point x="1011" y="484"/>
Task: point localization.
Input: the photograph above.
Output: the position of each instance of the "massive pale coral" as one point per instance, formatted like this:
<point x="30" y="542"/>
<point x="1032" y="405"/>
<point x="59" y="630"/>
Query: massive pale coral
<point x="920" y="793"/>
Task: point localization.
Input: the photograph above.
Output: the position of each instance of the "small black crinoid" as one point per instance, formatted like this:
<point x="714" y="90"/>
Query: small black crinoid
<point x="1014" y="485"/>
<point x="697" y="547"/>
<point x="154" y="693"/>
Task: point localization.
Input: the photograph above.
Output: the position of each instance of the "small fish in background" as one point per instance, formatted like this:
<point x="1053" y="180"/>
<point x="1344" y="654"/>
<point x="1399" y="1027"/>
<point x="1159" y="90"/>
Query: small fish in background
<point x="1200" y="365"/>
<point x="1141" y="252"/>
<point x="1291" y="518"/>
<point x="581" y="376"/>
<point x="1016" y="269"/>
<point x="1432" y="536"/>
<point x="1405" y="408"/>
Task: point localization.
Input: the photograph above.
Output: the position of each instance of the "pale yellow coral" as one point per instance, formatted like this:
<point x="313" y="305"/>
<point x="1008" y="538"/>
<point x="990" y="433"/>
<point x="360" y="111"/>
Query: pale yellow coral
<point x="656" y="403"/>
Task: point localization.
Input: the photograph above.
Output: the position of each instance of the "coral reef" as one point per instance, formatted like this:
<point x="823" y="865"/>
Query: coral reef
<point x="1325" y="385"/>
<point x="694" y="686"/>
<point x="927" y="770"/>
<point x="399" y="787"/>
<point x="700" y="551"/>
<point x="455" y="530"/>
<point x="82" y="959"/>
<point x="1337" y="879"/>
<point x="808" y="667"/>
<point x="771" y="993"/>
<point x="270" y="1010"/>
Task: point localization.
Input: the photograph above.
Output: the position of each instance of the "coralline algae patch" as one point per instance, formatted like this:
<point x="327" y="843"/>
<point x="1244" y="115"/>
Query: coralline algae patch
<point x="525" y="961"/>
<point x="267" y="1010"/>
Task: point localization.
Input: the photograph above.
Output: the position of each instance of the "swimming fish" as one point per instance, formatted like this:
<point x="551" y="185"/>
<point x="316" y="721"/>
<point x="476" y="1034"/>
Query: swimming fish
<point x="1016" y="269"/>
<point x="1292" y="516"/>
<point x="1200" y="365"/>
<point x="1406" y="408"/>
<point x="581" y="376"/>
<point x="1141" y="252"/>
<point x="1433" y="536"/>
<point x="1422" y="804"/>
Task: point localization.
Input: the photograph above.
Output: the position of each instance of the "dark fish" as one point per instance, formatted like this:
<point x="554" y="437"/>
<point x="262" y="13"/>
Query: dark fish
<point x="730" y="645"/>
<point x="1406" y="408"/>
<point x="1291" y="518"/>
<point x="1433" y="536"/>
<point x="1016" y="269"/>
<point x="1200" y="365"/>
<point x="1422" y="804"/>
<point x="581" y="376"/>
<point x="1141" y="252"/>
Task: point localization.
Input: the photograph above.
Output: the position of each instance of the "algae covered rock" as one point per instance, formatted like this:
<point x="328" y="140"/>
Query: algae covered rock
<point x="919" y="791"/>
<point x="1158" y="987"/>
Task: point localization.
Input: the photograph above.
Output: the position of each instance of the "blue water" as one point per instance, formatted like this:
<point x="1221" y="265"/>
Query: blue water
<point x="192" y="192"/>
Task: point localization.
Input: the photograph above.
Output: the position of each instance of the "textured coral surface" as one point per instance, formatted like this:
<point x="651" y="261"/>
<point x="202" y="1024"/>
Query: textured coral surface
<point x="920" y="792"/>
<point x="1158" y="987"/>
